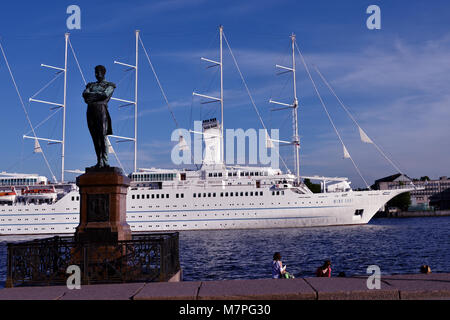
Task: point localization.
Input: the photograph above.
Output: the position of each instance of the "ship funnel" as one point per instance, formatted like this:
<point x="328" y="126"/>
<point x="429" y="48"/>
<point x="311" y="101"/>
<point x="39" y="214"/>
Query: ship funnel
<point x="212" y="140"/>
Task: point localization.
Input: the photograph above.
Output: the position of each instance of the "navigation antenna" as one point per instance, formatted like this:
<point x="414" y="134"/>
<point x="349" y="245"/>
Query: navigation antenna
<point x="294" y="106"/>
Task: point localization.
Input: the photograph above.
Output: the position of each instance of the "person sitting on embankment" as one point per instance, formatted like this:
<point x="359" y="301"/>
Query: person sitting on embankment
<point x="324" y="270"/>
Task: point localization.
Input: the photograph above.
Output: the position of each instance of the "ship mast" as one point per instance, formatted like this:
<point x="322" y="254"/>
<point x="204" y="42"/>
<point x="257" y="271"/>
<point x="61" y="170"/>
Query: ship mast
<point x="221" y="92"/>
<point x="215" y="99"/>
<point x="129" y="102"/>
<point x="135" y="101"/>
<point x="294" y="106"/>
<point x="63" y="146"/>
<point x="57" y="105"/>
<point x="295" y="140"/>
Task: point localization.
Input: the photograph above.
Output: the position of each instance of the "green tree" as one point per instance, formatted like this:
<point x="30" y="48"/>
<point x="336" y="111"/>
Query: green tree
<point x="314" y="187"/>
<point x="402" y="201"/>
<point x="425" y="178"/>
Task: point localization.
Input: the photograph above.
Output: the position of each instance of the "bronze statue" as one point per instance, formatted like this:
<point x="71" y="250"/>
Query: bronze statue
<point x="97" y="95"/>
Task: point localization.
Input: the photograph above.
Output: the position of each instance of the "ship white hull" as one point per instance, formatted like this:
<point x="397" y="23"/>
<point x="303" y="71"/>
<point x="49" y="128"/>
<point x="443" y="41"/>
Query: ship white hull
<point x="211" y="213"/>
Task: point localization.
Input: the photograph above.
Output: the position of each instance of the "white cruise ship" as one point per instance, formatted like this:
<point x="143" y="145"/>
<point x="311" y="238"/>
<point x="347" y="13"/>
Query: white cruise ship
<point x="210" y="198"/>
<point x="214" y="197"/>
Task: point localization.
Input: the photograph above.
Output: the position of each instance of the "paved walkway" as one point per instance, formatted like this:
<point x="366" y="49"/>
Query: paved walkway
<point x="434" y="286"/>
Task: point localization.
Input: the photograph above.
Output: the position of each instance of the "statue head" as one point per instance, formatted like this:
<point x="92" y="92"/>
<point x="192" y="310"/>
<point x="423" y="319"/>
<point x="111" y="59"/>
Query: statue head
<point x="100" y="72"/>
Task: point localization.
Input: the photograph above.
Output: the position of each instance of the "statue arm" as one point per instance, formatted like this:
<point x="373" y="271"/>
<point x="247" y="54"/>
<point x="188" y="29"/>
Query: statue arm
<point x="90" y="96"/>
<point x="109" y="91"/>
<point x="87" y="94"/>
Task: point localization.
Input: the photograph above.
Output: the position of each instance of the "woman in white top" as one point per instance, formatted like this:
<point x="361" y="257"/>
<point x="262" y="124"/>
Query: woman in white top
<point x="277" y="266"/>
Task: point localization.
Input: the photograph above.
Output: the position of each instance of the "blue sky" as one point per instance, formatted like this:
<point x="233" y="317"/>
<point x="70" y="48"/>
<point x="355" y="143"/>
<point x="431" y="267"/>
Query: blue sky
<point x="394" y="80"/>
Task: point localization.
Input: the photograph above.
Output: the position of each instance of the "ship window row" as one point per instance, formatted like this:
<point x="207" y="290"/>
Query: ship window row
<point x="242" y="174"/>
<point x="140" y="177"/>
<point x="148" y="196"/>
<point x="17" y="181"/>
<point x="215" y="174"/>
<point x="251" y="174"/>
<point x="76" y="198"/>
<point x="277" y="193"/>
<point x="156" y="196"/>
<point x="228" y="194"/>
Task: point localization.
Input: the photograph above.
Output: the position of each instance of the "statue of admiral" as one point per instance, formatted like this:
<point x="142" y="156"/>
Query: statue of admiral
<point x="97" y="95"/>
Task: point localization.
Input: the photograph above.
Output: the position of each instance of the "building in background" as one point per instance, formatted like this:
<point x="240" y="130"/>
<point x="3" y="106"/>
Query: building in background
<point x="441" y="200"/>
<point x="435" y="193"/>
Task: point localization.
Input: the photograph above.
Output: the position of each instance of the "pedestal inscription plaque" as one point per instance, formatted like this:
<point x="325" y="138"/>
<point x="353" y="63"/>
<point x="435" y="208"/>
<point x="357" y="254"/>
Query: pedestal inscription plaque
<point x="97" y="207"/>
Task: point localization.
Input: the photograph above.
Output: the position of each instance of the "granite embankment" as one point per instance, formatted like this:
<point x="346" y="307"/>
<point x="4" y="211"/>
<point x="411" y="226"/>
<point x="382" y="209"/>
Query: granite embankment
<point x="434" y="286"/>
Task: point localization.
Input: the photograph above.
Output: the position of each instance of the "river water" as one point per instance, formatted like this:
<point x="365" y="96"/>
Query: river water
<point x="396" y="245"/>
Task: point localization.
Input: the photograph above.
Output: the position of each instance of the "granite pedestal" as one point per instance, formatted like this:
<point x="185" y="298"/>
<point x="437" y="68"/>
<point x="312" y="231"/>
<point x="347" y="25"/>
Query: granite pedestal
<point x="103" y="194"/>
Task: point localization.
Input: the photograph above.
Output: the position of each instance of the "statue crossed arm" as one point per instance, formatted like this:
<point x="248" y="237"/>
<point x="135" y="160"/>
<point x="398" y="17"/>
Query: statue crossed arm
<point x="97" y="95"/>
<point x="93" y="94"/>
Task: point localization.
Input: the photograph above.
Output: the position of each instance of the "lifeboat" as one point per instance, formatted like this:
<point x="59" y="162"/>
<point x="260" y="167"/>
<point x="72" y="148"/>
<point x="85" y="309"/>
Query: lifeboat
<point x="8" y="196"/>
<point x="40" y="194"/>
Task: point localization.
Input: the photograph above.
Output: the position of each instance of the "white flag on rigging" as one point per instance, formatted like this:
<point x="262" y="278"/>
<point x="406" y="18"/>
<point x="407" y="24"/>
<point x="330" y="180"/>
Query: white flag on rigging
<point x="109" y="145"/>
<point x="346" y="154"/>
<point x="37" y="146"/>
<point x="269" y="143"/>
<point x="364" y="137"/>
<point x="182" y="142"/>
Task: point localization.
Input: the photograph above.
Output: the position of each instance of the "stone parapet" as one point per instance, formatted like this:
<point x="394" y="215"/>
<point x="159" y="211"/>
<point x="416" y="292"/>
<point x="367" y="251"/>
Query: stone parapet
<point x="435" y="286"/>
